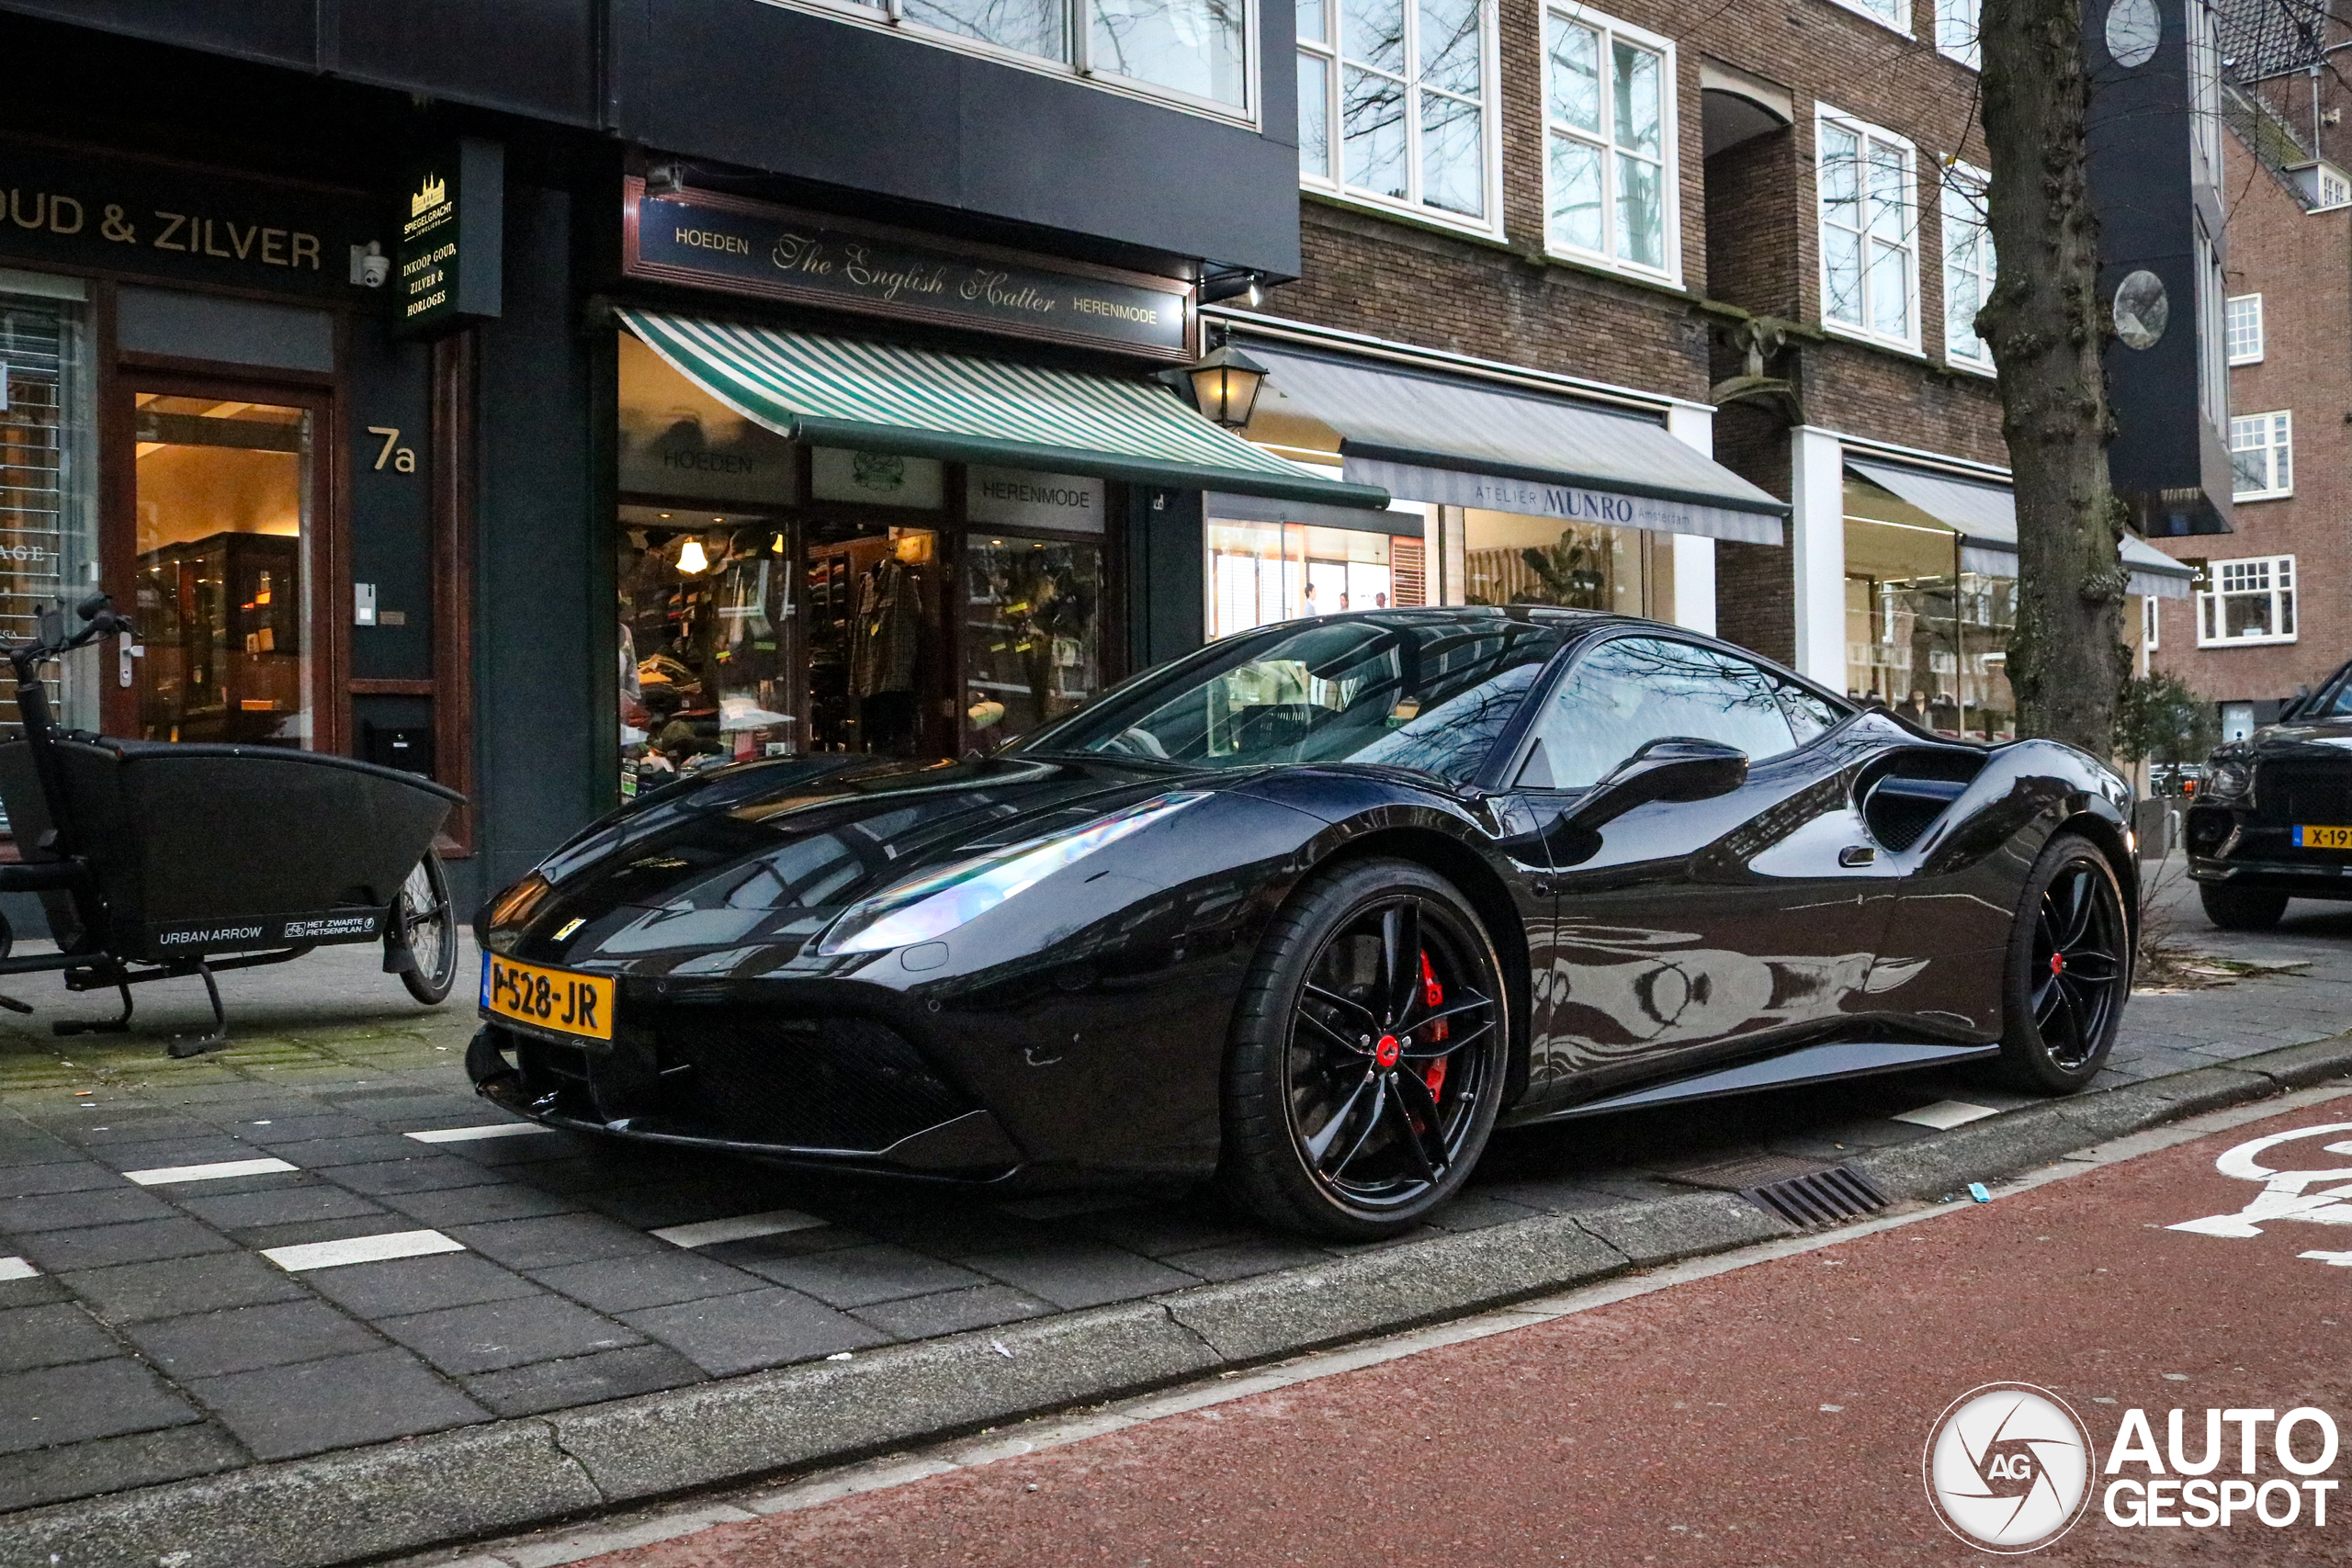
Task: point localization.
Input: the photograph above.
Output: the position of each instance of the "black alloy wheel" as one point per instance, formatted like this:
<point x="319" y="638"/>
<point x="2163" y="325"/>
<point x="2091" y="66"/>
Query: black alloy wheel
<point x="2069" y="970"/>
<point x="429" y="925"/>
<point x="2241" y="908"/>
<point x="1368" y="1059"/>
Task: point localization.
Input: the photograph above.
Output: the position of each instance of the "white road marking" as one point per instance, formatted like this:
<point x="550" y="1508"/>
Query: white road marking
<point x="469" y="1134"/>
<point x="217" y="1171"/>
<point x="360" y="1249"/>
<point x="2284" y="1194"/>
<point x="743" y="1227"/>
<point x="1045" y="1432"/>
<point x="1946" y="1115"/>
<point x="16" y="1268"/>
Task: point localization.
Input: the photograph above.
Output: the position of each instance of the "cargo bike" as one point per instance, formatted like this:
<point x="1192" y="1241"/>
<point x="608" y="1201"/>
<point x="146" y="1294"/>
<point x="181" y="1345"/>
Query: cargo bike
<point x="157" y="860"/>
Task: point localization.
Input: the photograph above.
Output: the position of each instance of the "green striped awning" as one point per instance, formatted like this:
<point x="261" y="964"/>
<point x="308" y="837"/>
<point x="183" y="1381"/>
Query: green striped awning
<point x="876" y="397"/>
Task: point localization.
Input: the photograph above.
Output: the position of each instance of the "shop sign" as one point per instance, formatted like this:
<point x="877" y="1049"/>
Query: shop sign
<point x="1018" y="498"/>
<point x="1575" y="504"/>
<point x="711" y="241"/>
<point x="876" y="478"/>
<point x="186" y="225"/>
<point x="449" y="271"/>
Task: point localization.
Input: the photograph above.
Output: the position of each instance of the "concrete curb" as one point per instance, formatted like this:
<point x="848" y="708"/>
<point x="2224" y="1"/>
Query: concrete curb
<point x="507" y="1476"/>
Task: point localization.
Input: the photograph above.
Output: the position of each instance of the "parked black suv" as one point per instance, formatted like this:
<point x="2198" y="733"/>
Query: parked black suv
<point x="2273" y="816"/>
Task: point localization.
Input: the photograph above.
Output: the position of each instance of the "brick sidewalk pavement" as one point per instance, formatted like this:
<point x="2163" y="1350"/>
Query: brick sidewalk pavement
<point x="162" y="1317"/>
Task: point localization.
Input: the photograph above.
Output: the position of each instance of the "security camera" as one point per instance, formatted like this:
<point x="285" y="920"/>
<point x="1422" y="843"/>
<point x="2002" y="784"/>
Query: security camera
<point x="370" y="268"/>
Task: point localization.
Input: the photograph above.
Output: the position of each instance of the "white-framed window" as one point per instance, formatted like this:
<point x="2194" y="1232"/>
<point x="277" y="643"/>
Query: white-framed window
<point x="1895" y="14"/>
<point x="2330" y="189"/>
<point x="1956" y="22"/>
<point x="2262" y="456"/>
<point x="1608" y="165"/>
<point x="2245" y="328"/>
<point x="1191" y="54"/>
<point x="1970" y="270"/>
<point x="1395" y="104"/>
<point x="1870" y="229"/>
<point x="2250" y="601"/>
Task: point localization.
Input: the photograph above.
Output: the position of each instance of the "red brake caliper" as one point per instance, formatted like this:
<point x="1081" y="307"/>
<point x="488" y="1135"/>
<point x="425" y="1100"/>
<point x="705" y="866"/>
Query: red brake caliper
<point x="1435" y="995"/>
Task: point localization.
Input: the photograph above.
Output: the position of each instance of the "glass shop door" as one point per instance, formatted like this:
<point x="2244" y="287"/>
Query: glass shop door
<point x="226" y="566"/>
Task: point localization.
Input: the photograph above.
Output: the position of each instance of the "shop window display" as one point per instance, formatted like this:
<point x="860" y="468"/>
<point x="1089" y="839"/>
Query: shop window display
<point x="1923" y="637"/>
<point x="48" y="506"/>
<point x="1509" y="558"/>
<point x="1263" y="572"/>
<point x="1031" y="632"/>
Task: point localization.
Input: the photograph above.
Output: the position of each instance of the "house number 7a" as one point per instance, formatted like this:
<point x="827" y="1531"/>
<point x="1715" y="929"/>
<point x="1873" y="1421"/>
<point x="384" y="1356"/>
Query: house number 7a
<point x="402" y="459"/>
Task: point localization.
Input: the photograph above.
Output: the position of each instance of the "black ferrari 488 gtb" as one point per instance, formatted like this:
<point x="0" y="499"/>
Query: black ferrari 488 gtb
<point x="1315" y="908"/>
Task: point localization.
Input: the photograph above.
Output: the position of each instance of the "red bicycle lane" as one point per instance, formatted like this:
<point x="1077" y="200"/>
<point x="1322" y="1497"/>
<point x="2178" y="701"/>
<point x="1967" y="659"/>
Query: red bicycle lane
<point x="1773" y="1414"/>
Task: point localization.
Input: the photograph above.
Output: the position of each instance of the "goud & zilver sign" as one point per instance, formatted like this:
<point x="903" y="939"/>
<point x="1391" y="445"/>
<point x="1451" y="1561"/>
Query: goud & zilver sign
<point x="193" y="225"/>
<point x="717" y="241"/>
<point x="448" y="270"/>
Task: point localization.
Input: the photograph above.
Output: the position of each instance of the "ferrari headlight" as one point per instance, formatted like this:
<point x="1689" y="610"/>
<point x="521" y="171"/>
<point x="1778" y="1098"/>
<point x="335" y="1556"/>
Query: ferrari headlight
<point x="929" y="907"/>
<point x="2228" y="781"/>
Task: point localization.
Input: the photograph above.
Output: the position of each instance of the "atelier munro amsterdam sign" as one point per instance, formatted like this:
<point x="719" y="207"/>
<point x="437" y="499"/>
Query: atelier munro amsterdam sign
<point x="717" y="241"/>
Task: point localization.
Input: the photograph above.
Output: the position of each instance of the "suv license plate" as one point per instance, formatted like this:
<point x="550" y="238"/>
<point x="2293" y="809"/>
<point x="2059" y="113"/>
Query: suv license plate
<point x="2309" y="838"/>
<point x="553" y="999"/>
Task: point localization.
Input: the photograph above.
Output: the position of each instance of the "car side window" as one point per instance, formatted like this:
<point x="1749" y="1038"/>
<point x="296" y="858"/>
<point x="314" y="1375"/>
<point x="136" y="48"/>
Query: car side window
<point x="1809" y="715"/>
<point x="1632" y="691"/>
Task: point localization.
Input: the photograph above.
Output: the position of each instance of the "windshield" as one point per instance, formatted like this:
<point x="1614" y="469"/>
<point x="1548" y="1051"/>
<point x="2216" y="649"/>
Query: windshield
<point x="1406" y="689"/>
<point x="2334" y="701"/>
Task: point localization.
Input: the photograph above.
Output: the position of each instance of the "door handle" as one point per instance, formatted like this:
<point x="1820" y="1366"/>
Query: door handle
<point x="1857" y="854"/>
<point x="125" y="652"/>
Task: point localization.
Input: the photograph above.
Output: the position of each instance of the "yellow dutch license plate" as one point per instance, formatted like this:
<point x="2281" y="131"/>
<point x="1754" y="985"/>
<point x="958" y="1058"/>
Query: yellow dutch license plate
<point x="2317" y="838"/>
<point x="547" y="998"/>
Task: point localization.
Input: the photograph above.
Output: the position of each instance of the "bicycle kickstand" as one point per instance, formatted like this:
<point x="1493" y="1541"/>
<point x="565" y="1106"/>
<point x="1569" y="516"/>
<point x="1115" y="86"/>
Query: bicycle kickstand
<point x="96" y="1026"/>
<point x="183" y="1045"/>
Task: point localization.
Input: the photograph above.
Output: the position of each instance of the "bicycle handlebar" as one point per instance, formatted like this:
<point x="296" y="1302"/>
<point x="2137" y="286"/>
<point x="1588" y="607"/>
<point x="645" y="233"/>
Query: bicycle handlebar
<point x="100" y="618"/>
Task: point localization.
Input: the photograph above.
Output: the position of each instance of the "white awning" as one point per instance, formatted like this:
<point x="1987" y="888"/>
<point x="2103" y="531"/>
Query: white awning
<point x="1423" y="436"/>
<point x="1984" y="515"/>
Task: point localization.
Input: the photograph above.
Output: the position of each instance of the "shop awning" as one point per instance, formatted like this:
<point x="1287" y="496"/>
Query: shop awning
<point x="876" y="397"/>
<point x="1986" y="518"/>
<point x="1459" y="443"/>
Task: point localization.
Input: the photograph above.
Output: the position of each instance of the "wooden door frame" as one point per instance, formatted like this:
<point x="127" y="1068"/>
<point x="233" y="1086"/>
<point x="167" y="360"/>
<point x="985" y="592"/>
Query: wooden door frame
<point x="326" y="551"/>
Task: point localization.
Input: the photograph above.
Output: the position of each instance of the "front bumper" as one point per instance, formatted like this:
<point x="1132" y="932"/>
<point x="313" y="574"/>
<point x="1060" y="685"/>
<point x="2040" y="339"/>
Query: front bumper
<point x="845" y="1092"/>
<point x="2234" y="846"/>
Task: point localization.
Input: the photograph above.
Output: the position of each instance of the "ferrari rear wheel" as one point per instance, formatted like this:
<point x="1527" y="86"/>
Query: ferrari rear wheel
<point x="2069" y="970"/>
<point x="1367" y="1061"/>
<point x="2241" y="908"/>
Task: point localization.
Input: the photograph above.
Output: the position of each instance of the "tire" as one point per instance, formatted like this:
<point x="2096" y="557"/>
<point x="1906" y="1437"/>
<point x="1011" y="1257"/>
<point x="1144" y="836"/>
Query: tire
<point x="1355" y="1103"/>
<point x="2068" y="972"/>
<point x="429" y="921"/>
<point x="2241" y="908"/>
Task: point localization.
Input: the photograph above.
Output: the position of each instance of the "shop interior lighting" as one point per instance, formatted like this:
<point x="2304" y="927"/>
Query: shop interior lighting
<point x="690" y="558"/>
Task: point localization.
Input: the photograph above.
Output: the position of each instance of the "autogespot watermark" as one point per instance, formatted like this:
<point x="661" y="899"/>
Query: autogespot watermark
<point x="2010" y="1468"/>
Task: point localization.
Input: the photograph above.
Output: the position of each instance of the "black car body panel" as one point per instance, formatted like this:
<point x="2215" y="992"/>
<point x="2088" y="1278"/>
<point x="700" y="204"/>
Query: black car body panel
<point x="1077" y="1029"/>
<point x="2257" y="791"/>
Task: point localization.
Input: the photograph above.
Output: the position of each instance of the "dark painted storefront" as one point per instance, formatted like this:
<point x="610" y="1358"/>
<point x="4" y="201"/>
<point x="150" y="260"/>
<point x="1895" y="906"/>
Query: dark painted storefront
<point x="408" y="543"/>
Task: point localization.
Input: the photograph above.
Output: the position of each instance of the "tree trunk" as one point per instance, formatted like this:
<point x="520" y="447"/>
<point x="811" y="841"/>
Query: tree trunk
<point x="2047" y="326"/>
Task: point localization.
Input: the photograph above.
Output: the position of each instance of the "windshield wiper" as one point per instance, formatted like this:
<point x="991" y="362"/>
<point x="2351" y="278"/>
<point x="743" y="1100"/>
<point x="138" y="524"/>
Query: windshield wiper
<point x="1168" y="764"/>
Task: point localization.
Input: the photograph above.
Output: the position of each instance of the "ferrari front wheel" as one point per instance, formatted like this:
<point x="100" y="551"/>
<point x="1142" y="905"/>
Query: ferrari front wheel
<point x="2069" y="970"/>
<point x="1368" y="1054"/>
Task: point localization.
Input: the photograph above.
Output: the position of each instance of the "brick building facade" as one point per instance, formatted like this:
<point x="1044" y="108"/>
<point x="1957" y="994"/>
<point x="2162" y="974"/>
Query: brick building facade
<point x="1744" y="165"/>
<point x="2275" y="609"/>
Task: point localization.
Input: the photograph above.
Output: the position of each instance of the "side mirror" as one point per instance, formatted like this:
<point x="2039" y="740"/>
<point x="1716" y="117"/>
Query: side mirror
<point x="1674" y="767"/>
<point x="1677" y="767"/>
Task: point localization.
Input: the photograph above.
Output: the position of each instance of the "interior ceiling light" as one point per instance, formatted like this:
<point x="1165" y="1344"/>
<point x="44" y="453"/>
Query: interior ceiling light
<point x="690" y="558"/>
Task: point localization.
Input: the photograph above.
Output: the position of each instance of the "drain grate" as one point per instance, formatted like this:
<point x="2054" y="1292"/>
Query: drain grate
<point x="1823" y="1198"/>
<point x="1803" y="1191"/>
